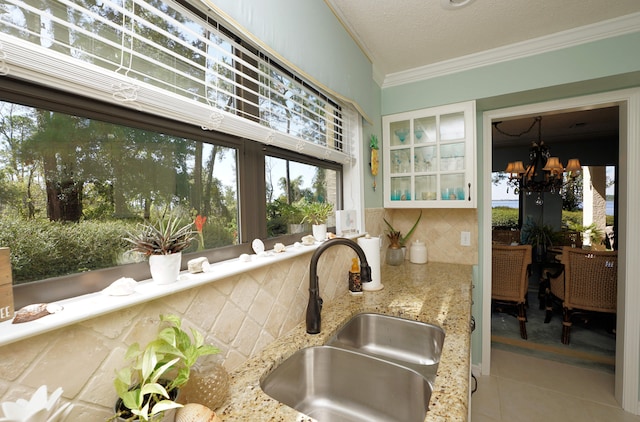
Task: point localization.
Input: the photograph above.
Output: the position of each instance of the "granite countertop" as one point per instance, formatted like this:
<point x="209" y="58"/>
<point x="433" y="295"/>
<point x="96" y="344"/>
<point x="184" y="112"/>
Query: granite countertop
<point x="435" y="292"/>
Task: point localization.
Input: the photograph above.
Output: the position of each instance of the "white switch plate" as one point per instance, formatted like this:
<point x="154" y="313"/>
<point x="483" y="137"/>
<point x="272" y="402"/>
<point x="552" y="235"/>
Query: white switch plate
<point x="465" y="238"/>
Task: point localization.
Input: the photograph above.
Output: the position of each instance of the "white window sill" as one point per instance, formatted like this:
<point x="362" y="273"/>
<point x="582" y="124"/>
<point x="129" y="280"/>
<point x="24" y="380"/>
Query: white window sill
<point x="91" y="305"/>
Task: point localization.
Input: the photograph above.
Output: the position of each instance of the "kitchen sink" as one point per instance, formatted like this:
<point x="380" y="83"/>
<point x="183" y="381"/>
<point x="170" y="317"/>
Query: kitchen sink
<point x="416" y="345"/>
<point x="339" y="385"/>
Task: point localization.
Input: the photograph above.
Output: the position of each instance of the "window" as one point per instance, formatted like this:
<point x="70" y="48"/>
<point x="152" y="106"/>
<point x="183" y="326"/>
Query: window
<point x="289" y="185"/>
<point x="60" y="168"/>
<point x="77" y="175"/>
<point x="171" y="112"/>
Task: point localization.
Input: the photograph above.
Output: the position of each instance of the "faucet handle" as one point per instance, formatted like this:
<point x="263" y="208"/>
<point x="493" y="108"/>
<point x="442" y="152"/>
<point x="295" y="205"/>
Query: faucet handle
<point x="365" y="273"/>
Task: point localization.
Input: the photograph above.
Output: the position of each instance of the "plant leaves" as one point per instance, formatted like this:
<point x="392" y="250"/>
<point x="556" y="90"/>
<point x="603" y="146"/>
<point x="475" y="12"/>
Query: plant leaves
<point x="164" y="405"/>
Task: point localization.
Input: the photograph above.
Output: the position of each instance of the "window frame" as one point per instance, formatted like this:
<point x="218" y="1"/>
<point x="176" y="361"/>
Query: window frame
<point x="251" y="186"/>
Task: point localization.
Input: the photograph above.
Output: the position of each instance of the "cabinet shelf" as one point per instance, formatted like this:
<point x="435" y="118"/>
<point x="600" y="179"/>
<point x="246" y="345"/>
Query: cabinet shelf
<point x="429" y="158"/>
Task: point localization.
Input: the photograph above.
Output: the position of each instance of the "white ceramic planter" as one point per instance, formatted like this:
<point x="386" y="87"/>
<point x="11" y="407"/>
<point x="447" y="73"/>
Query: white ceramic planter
<point x="165" y="268"/>
<point x="319" y="232"/>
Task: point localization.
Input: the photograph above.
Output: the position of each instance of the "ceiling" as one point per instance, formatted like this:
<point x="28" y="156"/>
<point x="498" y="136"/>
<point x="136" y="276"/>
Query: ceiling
<point x="398" y="36"/>
<point x="403" y="36"/>
<point x="596" y="124"/>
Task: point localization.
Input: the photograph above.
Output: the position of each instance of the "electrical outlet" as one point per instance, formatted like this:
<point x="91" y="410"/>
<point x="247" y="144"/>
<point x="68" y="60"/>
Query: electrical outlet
<point x="465" y="238"/>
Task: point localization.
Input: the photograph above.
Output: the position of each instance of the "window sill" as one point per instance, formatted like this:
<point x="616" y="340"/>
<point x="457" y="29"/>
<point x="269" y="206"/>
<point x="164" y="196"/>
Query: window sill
<point x="89" y="306"/>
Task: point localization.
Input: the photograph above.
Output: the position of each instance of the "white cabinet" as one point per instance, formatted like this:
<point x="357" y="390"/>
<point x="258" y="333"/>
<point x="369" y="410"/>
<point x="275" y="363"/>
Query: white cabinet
<point x="429" y="158"/>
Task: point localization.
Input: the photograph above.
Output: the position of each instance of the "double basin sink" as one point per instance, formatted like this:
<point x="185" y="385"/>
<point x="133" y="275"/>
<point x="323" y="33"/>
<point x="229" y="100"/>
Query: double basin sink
<point x="375" y="368"/>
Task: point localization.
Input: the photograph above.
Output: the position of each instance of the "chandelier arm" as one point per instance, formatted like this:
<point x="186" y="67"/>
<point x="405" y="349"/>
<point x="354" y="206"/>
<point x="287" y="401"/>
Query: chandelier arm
<point x="524" y="132"/>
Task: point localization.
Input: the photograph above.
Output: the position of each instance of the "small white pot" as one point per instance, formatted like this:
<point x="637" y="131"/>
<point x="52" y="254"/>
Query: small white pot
<point x="165" y="268"/>
<point x="319" y="232"/>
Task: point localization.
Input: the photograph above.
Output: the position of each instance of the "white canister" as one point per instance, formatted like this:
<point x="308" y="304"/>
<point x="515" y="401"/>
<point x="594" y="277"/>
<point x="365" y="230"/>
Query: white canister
<point x="418" y="252"/>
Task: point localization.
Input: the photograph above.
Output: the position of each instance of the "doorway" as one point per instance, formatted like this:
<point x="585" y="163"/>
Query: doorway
<point x="563" y="209"/>
<point x="627" y="348"/>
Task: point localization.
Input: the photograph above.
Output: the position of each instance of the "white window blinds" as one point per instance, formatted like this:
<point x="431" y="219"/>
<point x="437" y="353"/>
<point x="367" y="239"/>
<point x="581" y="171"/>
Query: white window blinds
<point x="167" y="59"/>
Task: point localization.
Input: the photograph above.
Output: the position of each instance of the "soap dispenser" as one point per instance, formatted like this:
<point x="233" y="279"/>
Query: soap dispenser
<point x="355" y="284"/>
<point x="418" y="252"/>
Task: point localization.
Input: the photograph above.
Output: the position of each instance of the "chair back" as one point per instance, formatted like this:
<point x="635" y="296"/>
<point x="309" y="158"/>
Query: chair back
<point x="569" y="238"/>
<point x="591" y="279"/>
<point x="505" y="236"/>
<point x="556" y="284"/>
<point x="509" y="272"/>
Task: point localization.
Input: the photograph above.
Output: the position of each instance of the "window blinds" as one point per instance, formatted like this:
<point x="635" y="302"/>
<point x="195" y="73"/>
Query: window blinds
<point x="162" y="58"/>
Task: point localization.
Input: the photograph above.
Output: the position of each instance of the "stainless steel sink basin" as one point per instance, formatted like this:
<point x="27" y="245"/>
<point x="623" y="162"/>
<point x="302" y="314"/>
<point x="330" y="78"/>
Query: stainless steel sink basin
<point x="414" y="344"/>
<point x="337" y="385"/>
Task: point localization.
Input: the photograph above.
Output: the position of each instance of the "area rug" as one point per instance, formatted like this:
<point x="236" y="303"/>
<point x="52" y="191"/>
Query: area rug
<point x="592" y="342"/>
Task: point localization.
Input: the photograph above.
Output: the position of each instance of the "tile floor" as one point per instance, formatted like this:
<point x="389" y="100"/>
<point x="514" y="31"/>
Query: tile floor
<point x="522" y="388"/>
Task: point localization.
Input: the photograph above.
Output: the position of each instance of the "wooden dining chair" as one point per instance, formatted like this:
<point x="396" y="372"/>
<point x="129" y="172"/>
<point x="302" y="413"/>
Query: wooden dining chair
<point x="510" y="269"/>
<point x="553" y="279"/>
<point x="590" y="284"/>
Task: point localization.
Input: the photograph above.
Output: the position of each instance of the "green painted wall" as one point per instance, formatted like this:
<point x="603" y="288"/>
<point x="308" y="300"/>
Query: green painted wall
<point x="599" y="66"/>
<point x="373" y="198"/>
<point x="309" y="36"/>
<point x="592" y="61"/>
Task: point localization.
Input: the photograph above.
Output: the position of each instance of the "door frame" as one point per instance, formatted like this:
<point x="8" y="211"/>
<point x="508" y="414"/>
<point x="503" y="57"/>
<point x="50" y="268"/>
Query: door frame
<point x="627" y="376"/>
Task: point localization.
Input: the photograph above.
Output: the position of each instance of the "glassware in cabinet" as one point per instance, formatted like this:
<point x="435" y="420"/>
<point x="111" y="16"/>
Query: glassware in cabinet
<point x="430" y="157"/>
<point x="400" y="133"/>
<point x="400" y="189"/>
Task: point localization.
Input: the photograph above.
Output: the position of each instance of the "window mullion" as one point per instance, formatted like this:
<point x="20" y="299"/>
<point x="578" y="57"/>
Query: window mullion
<point x="252" y="193"/>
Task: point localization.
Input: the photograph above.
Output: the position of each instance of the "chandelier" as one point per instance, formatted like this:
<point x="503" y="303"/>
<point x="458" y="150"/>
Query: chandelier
<point x="544" y="173"/>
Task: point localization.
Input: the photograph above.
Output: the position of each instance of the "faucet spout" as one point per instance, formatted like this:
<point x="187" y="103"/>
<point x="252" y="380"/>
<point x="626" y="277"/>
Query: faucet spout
<point x="315" y="301"/>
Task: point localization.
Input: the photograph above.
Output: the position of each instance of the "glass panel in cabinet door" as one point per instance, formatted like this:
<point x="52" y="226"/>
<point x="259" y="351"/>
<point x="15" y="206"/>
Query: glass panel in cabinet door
<point x="399" y="133"/>
<point x="424" y="130"/>
<point x="452" y="187"/>
<point x="452" y="157"/>
<point x="452" y="126"/>
<point x="426" y="188"/>
<point x="401" y="188"/>
<point x="400" y="160"/>
<point x="424" y="159"/>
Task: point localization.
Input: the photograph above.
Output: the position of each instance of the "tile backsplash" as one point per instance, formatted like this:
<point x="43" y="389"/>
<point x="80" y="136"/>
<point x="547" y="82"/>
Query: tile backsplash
<point x="439" y="229"/>
<point x="239" y="314"/>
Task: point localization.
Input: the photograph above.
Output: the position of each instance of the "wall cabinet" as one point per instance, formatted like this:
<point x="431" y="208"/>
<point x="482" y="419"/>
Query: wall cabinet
<point x="429" y="158"/>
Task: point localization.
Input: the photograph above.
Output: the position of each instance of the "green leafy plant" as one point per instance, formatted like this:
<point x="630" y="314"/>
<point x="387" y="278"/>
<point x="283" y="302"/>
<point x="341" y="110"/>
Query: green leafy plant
<point x="316" y="212"/>
<point x="164" y="237"/>
<point x="591" y="231"/>
<point x="395" y="237"/>
<point x="292" y="213"/>
<point x="535" y="233"/>
<point x="148" y="385"/>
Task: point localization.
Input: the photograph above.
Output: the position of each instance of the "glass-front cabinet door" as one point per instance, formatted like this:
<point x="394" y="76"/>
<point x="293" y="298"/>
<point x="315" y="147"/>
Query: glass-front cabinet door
<point x="429" y="158"/>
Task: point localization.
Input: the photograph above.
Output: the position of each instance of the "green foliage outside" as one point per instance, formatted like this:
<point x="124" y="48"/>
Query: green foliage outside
<point x="42" y="248"/>
<point x="505" y="217"/>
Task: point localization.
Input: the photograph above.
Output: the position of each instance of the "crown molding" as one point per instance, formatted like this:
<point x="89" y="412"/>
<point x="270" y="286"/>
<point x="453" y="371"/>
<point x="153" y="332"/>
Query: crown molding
<point x="573" y="37"/>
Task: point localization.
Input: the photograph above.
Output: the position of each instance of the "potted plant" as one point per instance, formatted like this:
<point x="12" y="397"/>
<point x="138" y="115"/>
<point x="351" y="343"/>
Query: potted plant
<point x="590" y="233"/>
<point x="293" y="215"/>
<point x="163" y="242"/>
<point x="317" y="214"/>
<point x="397" y="241"/>
<point x="148" y="386"/>
<point x="539" y="236"/>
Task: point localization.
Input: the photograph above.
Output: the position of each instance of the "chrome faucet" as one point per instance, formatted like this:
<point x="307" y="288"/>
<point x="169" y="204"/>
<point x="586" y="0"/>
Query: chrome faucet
<point x="315" y="301"/>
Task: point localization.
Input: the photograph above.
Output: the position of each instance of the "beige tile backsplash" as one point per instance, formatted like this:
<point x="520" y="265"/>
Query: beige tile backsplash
<point x="438" y="228"/>
<point x="239" y="314"/>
